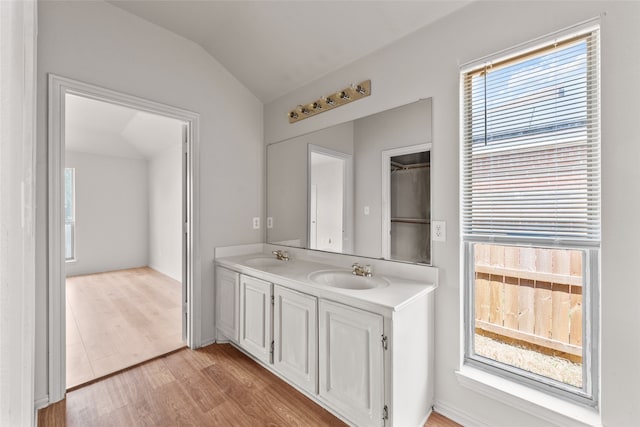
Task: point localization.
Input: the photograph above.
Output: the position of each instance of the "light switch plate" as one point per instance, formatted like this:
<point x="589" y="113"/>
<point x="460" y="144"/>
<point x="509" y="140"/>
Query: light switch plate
<point x="439" y="231"/>
<point x="256" y="223"/>
<point x="366" y="210"/>
<point x="269" y="222"/>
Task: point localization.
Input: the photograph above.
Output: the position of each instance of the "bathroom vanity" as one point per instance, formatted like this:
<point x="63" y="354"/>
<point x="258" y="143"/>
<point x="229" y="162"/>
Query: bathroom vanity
<point x="362" y="347"/>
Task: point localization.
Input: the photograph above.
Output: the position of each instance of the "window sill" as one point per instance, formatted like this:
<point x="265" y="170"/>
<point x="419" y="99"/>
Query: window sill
<point x="534" y="402"/>
<point x="70" y="261"/>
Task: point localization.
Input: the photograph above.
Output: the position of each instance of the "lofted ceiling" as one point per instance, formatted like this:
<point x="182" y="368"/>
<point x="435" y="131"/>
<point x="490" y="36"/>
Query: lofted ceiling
<point x="274" y="47"/>
<point x="102" y="128"/>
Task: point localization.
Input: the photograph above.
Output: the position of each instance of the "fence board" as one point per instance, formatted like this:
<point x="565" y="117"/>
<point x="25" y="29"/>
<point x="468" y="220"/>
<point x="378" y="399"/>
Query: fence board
<point x="482" y="296"/>
<point x="526" y="298"/>
<point x="512" y="257"/>
<point x="497" y="299"/>
<point x="576" y="263"/>
<point x="482" y="254"/>
<point x="511" y="286"/>
<point x="543" y="309"/>
<point x="543" y="260"/>
<point x="560" y="317"/>
<point x="575" y="316"/>
<point x="497" y="255"/>
<point x="561" y="262"/>
<point x="528" y="259"/>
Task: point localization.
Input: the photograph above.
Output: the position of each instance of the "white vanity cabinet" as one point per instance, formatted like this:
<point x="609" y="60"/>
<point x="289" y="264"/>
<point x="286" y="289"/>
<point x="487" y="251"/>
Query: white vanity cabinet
<point x="351" y="362"/>
<point x="256" y="317"/>
<point x="227" y="298"/>
<point x="295" y="337"/>
<point x="365" y="355"/>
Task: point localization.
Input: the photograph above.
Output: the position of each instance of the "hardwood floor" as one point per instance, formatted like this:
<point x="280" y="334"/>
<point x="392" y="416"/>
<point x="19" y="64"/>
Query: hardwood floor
<point x="214" y="386"/>
<point x="118" y="319"/>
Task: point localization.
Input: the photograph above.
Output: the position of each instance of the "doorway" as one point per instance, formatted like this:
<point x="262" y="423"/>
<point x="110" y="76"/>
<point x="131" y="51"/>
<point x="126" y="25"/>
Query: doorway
<point x="330" y="207"/>
<point x="62" y="93"/>
<point x="123" y="237"/>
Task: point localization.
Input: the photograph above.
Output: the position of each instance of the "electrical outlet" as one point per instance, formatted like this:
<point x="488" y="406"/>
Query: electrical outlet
<point x="256" y="223"/>
<point x="439" y="231"/>
<point x="269" y="222"/>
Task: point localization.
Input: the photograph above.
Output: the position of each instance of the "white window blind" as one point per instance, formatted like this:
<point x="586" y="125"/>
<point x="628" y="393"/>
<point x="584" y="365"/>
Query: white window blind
<point x="531" y="142"/>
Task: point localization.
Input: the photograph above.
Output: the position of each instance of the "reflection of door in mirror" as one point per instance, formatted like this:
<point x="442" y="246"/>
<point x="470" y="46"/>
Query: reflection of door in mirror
<point x="329" y="187"/>
<point x="407" y="204"/>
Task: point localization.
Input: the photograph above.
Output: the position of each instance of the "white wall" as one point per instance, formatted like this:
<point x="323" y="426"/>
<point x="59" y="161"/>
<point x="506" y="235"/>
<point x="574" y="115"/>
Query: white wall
<point x="101" y="44"/>
<point x="165" y="212"/>
<point x="112" y="207"/>
<point x="426" y="64"/>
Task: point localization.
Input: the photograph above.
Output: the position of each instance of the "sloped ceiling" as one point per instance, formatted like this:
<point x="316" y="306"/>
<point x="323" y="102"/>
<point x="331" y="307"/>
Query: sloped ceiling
<point x="101" y="128"/>
<point x="274" y="47"/>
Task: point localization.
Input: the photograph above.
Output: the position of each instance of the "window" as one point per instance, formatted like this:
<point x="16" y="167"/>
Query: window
<point x="69" y="214"/>
<point x="530" y="213"/>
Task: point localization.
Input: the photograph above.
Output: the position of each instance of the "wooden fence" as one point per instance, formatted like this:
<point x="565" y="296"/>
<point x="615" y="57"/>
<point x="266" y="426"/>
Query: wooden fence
<point x="531" y="297"/>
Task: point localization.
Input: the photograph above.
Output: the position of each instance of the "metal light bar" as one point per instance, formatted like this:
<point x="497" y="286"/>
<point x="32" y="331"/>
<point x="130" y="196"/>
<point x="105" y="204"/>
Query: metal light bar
<point x="326" y="103"/>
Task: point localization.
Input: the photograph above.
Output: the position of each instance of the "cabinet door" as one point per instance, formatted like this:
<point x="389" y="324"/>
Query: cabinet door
<point x="255" y="317"/>
<point x="295" y="337"/>
<point x="227" y="302"/>
<point x="351" y="362"/>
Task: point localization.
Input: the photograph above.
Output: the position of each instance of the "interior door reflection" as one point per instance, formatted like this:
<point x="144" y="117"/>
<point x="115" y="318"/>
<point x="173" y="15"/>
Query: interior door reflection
<point x="327" y="199"/>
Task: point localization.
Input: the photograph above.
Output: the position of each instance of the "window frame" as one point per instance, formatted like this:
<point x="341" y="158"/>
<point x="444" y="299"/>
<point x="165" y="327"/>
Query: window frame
<point x="589" y="393"/>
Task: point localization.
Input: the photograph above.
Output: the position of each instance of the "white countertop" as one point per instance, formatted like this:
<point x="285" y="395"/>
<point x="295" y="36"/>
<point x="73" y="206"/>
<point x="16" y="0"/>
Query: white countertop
<point x="294" y="274"/>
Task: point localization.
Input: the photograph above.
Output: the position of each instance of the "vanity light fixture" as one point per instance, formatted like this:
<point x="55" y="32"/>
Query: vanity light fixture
<point x="326" y="103"/>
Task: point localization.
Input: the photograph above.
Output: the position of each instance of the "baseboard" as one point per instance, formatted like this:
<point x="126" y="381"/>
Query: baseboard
<point x="424" y="421"/>
<point x="208" y="341"/>
<point x="458" y="416"/>
<point x="38" y="404"/>
<point x="43" y="402"/>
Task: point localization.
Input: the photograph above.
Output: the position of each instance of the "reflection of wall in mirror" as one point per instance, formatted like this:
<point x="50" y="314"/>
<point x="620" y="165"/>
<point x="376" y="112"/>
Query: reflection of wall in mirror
<point x="400" y="127"/>
<point x="287" y="180"/>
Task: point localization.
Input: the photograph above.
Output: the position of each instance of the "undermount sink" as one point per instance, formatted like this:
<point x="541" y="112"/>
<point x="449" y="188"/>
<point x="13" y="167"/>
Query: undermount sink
<point x="264" y="262"/>
<point x="346" y="280"/>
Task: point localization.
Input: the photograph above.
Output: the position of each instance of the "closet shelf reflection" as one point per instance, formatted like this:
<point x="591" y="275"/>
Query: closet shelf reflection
<point x="411" y="220"/>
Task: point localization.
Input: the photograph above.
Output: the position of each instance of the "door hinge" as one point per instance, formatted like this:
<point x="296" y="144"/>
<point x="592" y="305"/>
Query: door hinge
<point x="385" y="342"/>
<point x="273" y="300"/>
<point x="385" y="412"/>
<point x="272" y="345"/>
<point x="186" y="227"/>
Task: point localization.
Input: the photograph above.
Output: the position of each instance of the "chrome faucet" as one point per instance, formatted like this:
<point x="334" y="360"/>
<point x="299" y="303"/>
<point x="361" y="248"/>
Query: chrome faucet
<point x="359" y="270"/>
<point x="282" y="256"/>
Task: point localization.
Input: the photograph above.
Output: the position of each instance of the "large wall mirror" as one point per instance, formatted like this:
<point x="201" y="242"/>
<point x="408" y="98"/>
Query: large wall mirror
<point x="360" y="188"/>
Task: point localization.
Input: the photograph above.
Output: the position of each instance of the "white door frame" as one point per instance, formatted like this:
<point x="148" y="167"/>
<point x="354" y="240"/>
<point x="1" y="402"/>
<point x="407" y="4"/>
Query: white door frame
<point x="58" y="88"/>
<point x="386" y="190"/>
<point x="347" y="194"/>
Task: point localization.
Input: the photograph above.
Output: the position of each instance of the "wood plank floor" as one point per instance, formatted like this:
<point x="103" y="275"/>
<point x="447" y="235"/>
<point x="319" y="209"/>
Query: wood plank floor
<point x="118" y="319"/>
<point x="214" y="386"/>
